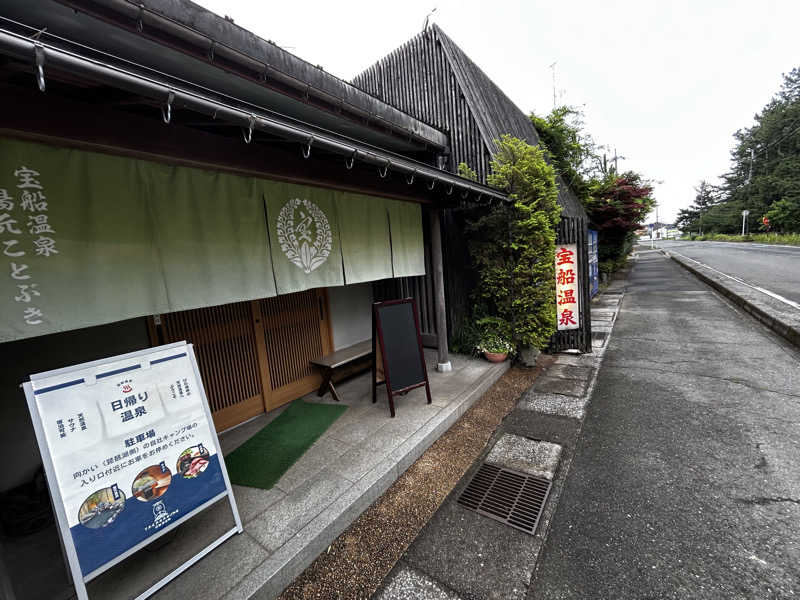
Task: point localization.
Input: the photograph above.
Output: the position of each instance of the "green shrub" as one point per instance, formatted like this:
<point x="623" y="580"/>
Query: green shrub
<point x="494" y="344"/>
<point x="612" y="265"/>
<point x="513" y="244"/>
<point x="791" y="239"/>
<point x="465" y="338"/>
<point x="466" y="172"/>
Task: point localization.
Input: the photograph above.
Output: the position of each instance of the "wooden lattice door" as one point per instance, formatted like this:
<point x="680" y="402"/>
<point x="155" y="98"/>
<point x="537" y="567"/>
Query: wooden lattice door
<point x="225" y="345"/>
<point x="253" y="356"/>
<point x="295" y="330"/>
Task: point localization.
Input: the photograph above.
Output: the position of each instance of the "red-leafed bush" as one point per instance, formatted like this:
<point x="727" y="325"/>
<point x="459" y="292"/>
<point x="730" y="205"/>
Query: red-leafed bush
<point x="617" y="206"/>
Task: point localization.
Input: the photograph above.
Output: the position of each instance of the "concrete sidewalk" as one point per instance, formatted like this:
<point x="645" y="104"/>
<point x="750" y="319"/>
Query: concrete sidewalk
<point x="679" y="482"/>
<point x="290" y="524"/>
<point x="461" y="554"/>
<point x="685" y="481"/>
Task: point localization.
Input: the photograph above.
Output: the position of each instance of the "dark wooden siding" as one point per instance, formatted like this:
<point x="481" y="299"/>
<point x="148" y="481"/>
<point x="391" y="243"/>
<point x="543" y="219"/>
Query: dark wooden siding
<point x="432" y="79"/>
<point x="418" y="78"/>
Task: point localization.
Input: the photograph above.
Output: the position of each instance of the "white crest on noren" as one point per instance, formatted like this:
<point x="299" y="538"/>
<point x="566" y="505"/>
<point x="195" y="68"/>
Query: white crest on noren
<point x="304" y="234"/>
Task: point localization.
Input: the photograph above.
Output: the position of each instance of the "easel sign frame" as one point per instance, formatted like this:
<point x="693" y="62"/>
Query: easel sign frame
<point x="380" y="358"/>
<point x="150" y="364"/>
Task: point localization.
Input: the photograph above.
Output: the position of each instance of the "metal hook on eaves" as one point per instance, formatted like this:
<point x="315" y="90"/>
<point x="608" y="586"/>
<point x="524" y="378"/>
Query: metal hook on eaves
<point x="349" y="162"/>
<point x="166" y="111"/>
<point x="385" y="171"/>
<point x="410" y="180"/>
<point x="248" y="133"/>
<point x="307" y="148"/>
<point x="38" y="54"/>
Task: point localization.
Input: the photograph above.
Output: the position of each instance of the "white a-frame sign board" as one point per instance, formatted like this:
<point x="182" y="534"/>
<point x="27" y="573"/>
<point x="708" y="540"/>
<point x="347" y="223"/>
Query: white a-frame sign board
<point x="130" y="452"/>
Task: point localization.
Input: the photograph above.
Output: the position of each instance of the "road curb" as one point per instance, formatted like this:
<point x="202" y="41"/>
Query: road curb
<point x="788" y="331"/>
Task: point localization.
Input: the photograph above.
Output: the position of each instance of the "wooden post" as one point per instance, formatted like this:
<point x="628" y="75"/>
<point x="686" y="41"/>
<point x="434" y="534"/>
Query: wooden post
<point x="443" y="362"/>
<point x="374" y="359"/>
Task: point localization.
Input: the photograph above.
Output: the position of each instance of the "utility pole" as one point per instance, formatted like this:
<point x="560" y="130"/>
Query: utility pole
<point x="654" y="230"/>
<point x="657" y="223"/>
<point x="617" y="158"/>
<point x="553" y="69"/>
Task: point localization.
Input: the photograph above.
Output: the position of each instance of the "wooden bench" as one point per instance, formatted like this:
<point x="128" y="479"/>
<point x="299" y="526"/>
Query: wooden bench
<point x="340" y="360"/>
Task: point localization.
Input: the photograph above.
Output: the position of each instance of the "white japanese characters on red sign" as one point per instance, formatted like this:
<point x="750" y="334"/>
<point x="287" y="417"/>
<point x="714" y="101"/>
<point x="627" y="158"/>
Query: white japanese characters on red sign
<point x="567" y="295"/>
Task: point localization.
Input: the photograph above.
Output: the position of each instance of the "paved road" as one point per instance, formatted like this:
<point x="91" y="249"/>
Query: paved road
<point x="685" y="482"/>
<point x="775" y="268"/>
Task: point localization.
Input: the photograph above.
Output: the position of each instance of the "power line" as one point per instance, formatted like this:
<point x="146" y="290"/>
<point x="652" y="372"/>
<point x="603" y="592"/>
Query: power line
<point x="753" y="153"/>
<point x="768" y="146"/>
<point x="784" y="137"/>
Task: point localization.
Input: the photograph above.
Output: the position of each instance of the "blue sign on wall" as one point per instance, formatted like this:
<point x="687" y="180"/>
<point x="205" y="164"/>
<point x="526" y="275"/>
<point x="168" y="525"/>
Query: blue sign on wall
<point x="594" y="270"/>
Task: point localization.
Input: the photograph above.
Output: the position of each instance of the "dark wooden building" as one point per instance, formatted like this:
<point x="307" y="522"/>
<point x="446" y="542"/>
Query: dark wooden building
<point x="432" y="79"/>
<point x="169" y="92"/>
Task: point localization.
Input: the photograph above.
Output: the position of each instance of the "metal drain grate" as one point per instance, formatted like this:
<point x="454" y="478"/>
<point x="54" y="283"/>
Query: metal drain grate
<point x="510" y="497"/>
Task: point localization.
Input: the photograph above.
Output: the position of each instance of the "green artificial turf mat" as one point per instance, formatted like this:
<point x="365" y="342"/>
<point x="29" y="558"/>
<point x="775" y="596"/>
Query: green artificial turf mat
<point x="264" y="458"/>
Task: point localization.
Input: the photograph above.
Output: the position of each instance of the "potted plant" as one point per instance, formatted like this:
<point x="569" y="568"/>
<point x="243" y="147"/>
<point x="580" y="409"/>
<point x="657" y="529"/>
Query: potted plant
<point x="494" y="347"/>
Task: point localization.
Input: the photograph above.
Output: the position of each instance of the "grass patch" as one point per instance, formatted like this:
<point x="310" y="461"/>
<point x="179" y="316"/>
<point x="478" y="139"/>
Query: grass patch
<point x="789" y="239"/>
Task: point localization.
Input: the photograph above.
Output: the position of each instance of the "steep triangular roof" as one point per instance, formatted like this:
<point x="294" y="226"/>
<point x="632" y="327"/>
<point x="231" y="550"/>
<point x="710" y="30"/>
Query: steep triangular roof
<point x="416" y="79"/>
<point x="493" y="111"/>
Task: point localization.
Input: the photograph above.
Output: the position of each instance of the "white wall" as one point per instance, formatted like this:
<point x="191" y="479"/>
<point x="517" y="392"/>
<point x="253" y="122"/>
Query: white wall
<point x="351" y="314"/>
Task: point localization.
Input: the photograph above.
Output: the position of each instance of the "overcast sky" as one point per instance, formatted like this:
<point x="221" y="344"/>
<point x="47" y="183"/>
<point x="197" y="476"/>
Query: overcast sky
<point x="665" y="83"/>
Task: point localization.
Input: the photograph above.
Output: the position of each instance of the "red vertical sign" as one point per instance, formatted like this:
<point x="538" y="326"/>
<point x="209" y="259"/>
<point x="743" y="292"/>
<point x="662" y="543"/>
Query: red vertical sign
<point x="567" y="291"/>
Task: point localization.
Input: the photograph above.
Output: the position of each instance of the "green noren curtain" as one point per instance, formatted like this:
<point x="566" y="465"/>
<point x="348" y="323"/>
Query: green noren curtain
<point x="130" y="238"/>
<point x="89" y="238"/>
<point x="408" y="253"/>
<point x="211" y="235"/>
<point x="303" y="235"/>
<point x="102" y="264"/>
<point x="364" y="229"/>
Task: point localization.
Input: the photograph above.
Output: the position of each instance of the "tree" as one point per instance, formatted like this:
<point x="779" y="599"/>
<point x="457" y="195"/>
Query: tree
<point x="691" y="219"/>
<point x="570" y="148"/>
<point x="513" y="244"/>
<point x="687" y="217"/>
<point x="764" y="177"/>
<point x="465" y="171"/>
<point x="784" y="215"/>
<point x="616" y="204"/>
<point x="617" y="207"/>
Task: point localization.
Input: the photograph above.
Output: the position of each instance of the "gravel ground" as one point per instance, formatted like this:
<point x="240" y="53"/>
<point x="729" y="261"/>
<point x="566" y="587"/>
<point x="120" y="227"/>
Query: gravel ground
<point x="359" y="559"/>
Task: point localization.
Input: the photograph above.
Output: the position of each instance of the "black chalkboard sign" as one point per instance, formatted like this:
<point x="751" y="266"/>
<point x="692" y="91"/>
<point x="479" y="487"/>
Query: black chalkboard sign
<point x="398" y="360"/>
